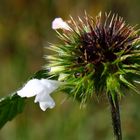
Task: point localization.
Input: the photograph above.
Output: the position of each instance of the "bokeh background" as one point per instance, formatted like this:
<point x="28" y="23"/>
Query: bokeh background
<point x="25" y="29"/>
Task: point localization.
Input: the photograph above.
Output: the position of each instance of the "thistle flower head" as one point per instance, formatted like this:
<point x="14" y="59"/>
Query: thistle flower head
<point x="97" y="56"/>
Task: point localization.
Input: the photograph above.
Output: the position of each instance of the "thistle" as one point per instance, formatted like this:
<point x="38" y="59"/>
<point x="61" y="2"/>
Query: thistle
<point x="98" y="56"/>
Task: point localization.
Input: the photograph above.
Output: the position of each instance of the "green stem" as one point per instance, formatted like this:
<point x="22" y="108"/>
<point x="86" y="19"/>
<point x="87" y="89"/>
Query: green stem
<point x="115" y="113"/>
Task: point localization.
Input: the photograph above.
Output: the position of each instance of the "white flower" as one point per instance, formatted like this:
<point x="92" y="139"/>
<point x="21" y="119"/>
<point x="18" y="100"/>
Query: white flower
<point x="58" y="23"/>
<point x="41" y="89"/>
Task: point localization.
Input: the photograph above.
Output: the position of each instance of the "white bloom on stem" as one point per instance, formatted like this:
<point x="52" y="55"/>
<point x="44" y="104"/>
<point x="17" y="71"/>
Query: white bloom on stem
<point x="58" y="23"/>
<point x="41" y="89"/>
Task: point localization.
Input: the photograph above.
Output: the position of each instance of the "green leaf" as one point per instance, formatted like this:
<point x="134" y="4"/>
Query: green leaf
<point x="44" y="74"/>
<point x="10" y="106"/>
<point x="40" y="74"/>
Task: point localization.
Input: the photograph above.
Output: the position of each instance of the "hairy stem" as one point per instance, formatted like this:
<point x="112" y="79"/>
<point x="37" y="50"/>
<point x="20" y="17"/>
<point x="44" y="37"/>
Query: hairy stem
<point x="115" y="114"/>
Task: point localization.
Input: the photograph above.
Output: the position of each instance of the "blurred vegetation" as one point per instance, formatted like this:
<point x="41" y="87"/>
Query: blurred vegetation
<point x="25" y="29"/>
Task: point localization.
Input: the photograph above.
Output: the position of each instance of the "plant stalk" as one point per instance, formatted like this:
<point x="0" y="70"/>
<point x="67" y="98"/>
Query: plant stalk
<point x="115" y="114"/>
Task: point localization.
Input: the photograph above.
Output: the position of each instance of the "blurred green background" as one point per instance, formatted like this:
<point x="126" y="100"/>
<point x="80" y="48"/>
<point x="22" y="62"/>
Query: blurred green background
<point x="25" y="29"/>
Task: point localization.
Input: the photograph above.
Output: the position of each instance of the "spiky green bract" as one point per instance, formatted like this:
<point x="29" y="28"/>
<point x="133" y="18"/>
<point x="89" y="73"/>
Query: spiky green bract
<point x="97" y="56"/>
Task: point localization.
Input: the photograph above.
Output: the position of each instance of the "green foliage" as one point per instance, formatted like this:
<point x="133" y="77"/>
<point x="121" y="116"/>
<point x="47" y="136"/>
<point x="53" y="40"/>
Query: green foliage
<point x="10" y="106"/>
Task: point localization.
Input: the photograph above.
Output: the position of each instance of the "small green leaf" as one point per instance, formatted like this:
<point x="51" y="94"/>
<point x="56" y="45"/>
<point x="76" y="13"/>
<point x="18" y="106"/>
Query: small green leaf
<point x="10" y="106"/>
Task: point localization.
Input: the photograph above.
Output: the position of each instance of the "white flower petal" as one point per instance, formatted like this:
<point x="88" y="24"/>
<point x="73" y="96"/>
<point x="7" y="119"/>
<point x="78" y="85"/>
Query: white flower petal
<point x="42" y="89"/>
<point x="45" y="101"/>
<point x="58" y="23"/>
<point x="32" y="88"/>
<point x="42" y="97"/>
<point x="50" y="85"/>
<point x="48" y="104"/>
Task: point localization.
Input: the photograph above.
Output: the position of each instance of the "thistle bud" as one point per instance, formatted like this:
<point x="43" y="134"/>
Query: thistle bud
<point x="99" y="55"/>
